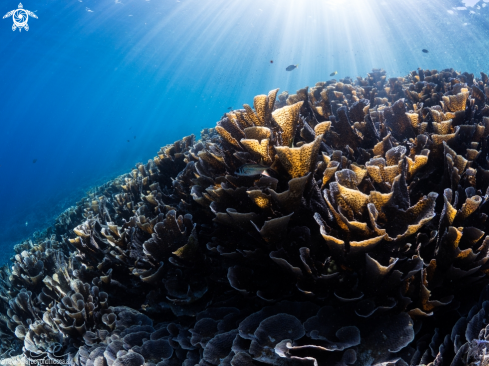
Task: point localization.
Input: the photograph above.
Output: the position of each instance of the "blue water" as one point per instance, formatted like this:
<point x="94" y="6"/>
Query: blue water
<point x="96" y="86"/>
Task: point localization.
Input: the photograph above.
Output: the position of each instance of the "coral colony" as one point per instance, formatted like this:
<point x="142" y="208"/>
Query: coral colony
<point x="364" y="244"/>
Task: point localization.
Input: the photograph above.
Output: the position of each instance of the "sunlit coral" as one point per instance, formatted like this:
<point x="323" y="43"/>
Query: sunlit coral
<point x="356" y="237"/>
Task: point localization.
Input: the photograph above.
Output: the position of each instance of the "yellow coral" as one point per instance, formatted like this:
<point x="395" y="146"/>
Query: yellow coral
<point x="257" y="133"/>
<point x="260" y="102"/>
<point x="300" y="160"/>
<point x="380" y="172"/>
<point x="354" y="198"/>
<point x="287" y="118"/>
<point x="259" y="198"/>
<point x="227" y="136"/>
<point x="414" y="118"/>
<point x="322" y="128"/>
<point x="257" y="142"/>
<point x="456" y="102"/>
<point x="251" y="116"/>
<point x="272" y="96"/>
<point x="258" y="148"/>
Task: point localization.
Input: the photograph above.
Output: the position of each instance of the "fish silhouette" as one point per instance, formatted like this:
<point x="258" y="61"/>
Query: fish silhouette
<point x="291" y="67"/>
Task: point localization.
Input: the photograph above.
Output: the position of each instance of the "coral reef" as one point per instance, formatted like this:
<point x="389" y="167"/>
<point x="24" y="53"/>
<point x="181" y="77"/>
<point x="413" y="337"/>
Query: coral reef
<point x="341" y="225"/>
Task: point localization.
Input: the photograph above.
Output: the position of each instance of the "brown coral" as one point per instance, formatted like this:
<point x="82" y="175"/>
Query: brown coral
<point x="368" y="213"/>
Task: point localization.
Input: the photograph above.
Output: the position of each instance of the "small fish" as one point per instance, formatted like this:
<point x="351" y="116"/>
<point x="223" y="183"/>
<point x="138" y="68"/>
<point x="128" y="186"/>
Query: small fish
<point x="34" y="161"/>
<point x="250" y="170"/>
<point x="424" y="50"/>
<point x="134" y="137"/>
<point x="333" y="73"/>
<point x="127" y="140"/>
<point x="230" y="108"/>
<point x="291" y="67"/>
<point x="271" y="61"/>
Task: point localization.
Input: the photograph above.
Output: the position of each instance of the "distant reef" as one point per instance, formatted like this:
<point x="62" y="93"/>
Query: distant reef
<point x="342" y="225"/>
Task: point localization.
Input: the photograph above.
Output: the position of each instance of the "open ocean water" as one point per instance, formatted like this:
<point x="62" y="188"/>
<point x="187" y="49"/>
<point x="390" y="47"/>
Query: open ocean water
<point x="95" y="86"/>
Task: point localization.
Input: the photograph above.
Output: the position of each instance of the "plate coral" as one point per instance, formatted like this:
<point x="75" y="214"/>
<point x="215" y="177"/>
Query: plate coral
<point x="363" y="244"/>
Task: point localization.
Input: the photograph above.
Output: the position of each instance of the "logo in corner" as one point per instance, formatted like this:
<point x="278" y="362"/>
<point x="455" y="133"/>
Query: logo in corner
<point x="20" y="17"/>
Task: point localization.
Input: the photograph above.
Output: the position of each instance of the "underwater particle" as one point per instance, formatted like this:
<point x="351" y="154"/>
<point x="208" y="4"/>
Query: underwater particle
<point x="271" y="61"/>
<point x="127" y="140"/>
<point x="333" y="73"/>
<point x="26" y="223"/>
<point x="134" y="136"/>
<point x="34" y="161"/>
<point x="424" y="50"/>
<point x="249" y="170"/>
<point x="291" y="67"/>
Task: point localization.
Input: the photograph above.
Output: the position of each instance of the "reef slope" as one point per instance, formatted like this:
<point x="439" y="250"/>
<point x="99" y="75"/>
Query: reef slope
<point x="342" y="225"/>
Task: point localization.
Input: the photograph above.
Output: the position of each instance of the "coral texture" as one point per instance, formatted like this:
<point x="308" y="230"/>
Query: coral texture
<point x="341" y="225"/>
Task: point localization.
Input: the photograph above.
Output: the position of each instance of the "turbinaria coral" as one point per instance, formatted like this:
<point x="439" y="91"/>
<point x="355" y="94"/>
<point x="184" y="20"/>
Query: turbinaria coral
<point x="356" y="237"/>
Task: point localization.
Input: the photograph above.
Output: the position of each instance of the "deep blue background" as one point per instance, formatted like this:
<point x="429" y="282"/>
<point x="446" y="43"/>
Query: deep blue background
<point x="80" y="83"/>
